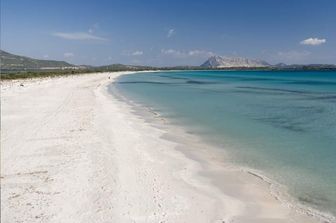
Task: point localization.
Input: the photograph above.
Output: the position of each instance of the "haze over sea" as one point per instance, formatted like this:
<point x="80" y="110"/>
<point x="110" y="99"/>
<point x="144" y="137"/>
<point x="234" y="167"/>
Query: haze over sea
<point x="280" y="123"/>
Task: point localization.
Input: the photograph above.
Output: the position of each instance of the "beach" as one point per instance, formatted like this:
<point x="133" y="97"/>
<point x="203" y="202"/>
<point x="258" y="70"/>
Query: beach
<point x="72" y="152"/>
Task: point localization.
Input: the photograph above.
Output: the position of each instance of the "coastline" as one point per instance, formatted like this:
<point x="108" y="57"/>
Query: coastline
<point x="78" y="153"/>
<point x="214" y="159"/>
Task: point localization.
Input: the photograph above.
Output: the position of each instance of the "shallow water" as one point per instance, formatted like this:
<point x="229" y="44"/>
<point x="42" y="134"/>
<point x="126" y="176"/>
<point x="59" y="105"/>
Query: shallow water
<point x="281" y="123"/>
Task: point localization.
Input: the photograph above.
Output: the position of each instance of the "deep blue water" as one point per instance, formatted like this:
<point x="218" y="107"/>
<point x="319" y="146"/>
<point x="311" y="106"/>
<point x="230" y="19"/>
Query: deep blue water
<point x="281" y="123"/>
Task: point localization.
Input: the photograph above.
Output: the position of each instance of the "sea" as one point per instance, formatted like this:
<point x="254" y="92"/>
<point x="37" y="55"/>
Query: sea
<point x="280" y="123"/>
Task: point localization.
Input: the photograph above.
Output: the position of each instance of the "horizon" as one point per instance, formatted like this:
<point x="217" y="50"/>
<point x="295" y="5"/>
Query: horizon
<point x="158" y="33"/>
<point x="144" y="65"/>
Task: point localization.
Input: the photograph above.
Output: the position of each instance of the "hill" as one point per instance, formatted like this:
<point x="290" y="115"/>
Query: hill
<point x="14" y="62"/>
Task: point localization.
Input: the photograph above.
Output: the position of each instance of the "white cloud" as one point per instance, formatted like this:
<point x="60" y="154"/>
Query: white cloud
<point x="313" y="41"/>
<point x="170" y="33"/>
<point x="191" y="53"/>
<point x="78" y="36"/>
<point x="200" y="53"/>
<point x="68" y="55"/>
<point x="172" y="52"/>
<point x="132" y="53"/>
<point x="293" y="55"/>
<point x="137" y="53"/>
<point x="46" y="56"/>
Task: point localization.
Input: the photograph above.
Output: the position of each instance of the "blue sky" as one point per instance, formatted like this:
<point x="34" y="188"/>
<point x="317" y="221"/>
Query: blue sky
<point x="170" y="32"/>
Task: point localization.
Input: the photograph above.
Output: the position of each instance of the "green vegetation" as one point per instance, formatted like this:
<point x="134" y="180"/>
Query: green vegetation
<point x="35" y="74"/>
<point x="23" y="74"/>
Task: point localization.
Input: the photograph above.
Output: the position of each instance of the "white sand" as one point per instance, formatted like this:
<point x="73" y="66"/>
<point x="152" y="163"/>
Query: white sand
<point x="71" y="152"/>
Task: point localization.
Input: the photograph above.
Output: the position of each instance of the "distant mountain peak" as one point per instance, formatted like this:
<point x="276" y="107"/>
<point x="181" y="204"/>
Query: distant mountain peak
<point x="223" y="62"/>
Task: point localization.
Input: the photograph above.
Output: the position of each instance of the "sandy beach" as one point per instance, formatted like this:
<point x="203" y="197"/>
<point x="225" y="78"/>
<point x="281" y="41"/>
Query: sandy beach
<point x="72" y="152"/>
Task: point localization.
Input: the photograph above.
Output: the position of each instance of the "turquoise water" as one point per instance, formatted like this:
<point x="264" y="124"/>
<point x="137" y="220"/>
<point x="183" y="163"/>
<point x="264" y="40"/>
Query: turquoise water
<point x="281" y="123"/>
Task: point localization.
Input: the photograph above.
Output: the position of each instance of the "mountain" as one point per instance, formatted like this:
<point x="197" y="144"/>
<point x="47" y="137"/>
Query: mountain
<point x="14" y="62"/>
<point x="226" y="62"/>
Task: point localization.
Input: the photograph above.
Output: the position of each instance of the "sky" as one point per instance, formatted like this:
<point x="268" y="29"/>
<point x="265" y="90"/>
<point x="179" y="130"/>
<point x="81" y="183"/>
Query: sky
<point x="170" y="32"/>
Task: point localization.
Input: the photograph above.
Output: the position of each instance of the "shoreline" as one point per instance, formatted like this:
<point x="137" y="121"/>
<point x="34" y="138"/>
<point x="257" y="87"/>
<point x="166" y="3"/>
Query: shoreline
<point x="81" y="154"/>
<point x="212" y="153"/>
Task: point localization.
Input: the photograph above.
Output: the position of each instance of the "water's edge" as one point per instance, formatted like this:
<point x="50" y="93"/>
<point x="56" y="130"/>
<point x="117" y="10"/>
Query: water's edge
<point x="153" y="118"/>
